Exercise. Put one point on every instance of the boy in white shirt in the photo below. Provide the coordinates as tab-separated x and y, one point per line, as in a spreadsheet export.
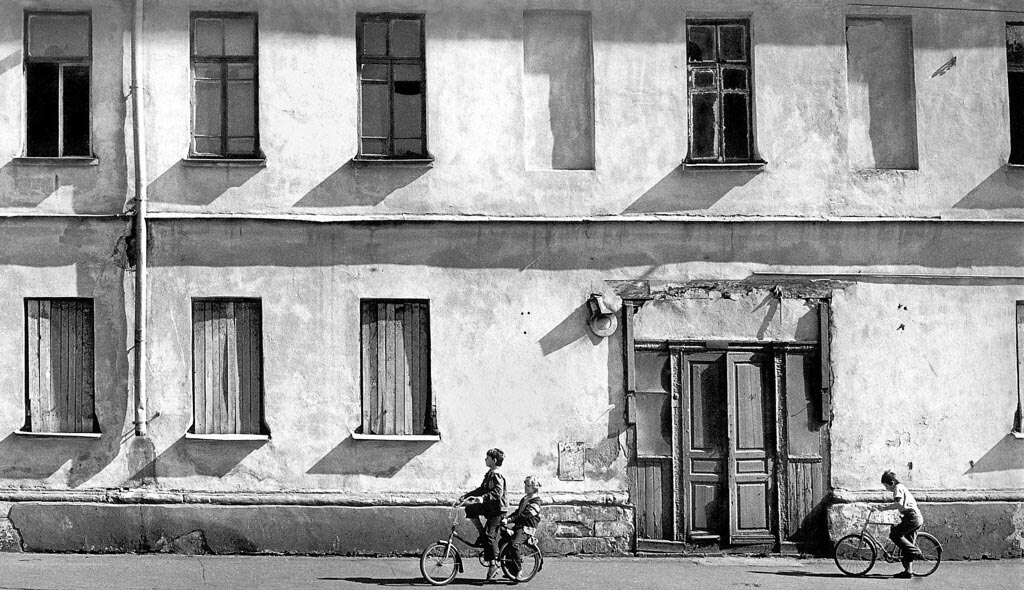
904	534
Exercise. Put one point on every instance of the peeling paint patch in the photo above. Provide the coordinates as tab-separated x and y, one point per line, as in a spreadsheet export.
1016	538
10	538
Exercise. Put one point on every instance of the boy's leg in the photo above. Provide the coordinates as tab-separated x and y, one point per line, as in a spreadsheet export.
492	530
514	554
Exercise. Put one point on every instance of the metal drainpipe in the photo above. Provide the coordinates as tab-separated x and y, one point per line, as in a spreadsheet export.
139	138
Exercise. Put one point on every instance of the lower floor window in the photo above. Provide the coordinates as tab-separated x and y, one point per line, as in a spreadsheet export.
59	376
227	366
395	347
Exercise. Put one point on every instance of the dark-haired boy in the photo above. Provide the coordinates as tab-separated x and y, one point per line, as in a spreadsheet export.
488	501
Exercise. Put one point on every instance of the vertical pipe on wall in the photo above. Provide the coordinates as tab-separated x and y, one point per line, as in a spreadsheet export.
138	136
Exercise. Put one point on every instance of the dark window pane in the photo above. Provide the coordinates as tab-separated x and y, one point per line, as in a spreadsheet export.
1015	45
206	71
241	108
653	371
209	37
653	425
43	108
374	147
703	79
1016	117
734	126
405	38
408	115
703	125
76	111
734	79
405	148
242	146
207	108
376	122
241	71
700	43
208	145
58	35
733	42
239	36
375	37
375	72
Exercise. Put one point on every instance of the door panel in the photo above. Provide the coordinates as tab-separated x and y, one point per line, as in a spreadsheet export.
750	455
703	445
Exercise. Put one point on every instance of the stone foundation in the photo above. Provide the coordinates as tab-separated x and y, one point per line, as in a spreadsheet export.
101	527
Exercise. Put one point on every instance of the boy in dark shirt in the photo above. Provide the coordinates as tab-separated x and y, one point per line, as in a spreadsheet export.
488	501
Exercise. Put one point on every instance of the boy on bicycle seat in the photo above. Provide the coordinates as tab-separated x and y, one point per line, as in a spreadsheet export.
904	534
488	501
524	520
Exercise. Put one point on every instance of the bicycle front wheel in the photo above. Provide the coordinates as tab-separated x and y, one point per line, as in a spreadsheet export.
855	555
439	564
532	561
931	555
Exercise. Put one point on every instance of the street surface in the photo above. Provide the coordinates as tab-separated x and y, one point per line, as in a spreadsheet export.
180	572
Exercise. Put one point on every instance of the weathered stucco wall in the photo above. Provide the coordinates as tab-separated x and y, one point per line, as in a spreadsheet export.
308	116
925	384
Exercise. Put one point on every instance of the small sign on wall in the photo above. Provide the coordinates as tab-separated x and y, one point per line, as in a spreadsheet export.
571	456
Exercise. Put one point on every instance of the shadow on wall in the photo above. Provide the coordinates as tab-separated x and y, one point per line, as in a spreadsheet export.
190	457
1003	189
377	458
26	457
30	185
569	330
10	62
183	184
355	184
686	190
1007	455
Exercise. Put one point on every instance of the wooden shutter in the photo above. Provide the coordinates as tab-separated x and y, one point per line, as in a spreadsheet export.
227	361
60	365
395	338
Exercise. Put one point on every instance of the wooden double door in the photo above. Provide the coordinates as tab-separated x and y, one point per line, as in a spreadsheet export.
706	446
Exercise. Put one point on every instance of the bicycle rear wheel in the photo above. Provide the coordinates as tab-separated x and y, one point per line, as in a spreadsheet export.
931	555
532	561
855	555
439	564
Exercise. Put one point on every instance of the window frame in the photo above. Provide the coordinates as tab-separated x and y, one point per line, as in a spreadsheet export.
61	62
224	61
33	429
263	429
1012	69
389	61
428	431
748	66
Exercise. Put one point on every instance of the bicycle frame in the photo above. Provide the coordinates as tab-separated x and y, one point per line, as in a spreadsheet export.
890	556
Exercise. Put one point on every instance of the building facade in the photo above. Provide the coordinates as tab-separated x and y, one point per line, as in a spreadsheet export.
706	269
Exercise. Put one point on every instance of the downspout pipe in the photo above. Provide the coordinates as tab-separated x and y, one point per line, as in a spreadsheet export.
141	247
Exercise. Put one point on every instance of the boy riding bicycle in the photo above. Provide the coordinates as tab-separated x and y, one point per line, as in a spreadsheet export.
488	501
905	532
524	521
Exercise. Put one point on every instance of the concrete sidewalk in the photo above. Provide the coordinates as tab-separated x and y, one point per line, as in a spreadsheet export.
179	572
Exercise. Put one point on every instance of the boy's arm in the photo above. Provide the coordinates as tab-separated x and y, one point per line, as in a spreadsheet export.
495	489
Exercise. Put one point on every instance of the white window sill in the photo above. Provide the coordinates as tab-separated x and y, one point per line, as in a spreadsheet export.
58	434
57	162
427	162
1015	167
226	437
224	162
755	166
398	437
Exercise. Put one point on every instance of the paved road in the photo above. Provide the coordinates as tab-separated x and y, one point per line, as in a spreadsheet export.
178	572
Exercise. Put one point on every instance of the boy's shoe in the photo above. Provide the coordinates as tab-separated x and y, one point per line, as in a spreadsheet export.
904	575
492	571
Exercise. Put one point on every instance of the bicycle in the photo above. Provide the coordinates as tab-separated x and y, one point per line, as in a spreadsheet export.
442	561
855	554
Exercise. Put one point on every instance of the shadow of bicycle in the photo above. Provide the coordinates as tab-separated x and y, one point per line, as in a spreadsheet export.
402	581
803	574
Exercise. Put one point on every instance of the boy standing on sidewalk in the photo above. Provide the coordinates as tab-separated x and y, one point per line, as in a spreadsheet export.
488	501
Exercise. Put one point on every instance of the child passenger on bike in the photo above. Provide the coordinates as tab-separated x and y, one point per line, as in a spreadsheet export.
904	534
488	501
524	521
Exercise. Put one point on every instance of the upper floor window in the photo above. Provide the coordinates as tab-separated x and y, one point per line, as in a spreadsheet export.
58	64
225	69
1015	70
719	81
392	80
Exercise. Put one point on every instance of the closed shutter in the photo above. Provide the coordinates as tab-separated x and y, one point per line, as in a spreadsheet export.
60	365
227	361
395	344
